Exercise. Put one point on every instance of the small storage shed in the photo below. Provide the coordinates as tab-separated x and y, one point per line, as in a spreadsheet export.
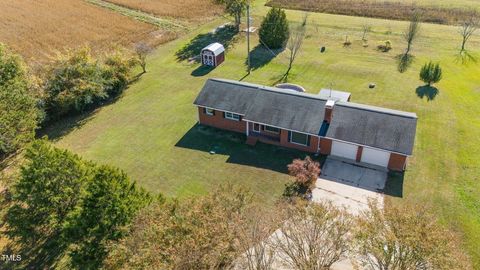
213	55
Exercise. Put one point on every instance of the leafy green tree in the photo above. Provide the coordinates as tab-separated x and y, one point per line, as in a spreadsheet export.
50	185
235	8
111	201
431	73
18	110
74	82
274	30
117	71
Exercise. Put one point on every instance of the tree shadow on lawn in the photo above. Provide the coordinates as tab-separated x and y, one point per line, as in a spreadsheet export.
427	91
58	128
264	156
260	56
465	58
224	35
45	253
404	61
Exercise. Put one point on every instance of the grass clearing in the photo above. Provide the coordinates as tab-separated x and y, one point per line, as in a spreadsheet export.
39	29
151	131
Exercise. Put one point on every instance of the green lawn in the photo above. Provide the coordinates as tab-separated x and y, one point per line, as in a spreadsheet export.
151	134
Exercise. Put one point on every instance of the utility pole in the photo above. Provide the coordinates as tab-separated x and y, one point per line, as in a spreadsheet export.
248	38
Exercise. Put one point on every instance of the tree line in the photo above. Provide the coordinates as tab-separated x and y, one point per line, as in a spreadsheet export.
72	83
65	212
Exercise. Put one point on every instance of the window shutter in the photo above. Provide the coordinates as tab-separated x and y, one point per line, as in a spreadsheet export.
223	114
289	136
308	140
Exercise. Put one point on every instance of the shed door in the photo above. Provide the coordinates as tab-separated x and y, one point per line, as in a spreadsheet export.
344	150
376	157
208	59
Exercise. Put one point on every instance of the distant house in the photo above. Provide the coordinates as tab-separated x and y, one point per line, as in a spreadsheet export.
213	55
311	123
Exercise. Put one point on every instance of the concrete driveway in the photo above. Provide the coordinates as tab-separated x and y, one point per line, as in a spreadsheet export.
350	184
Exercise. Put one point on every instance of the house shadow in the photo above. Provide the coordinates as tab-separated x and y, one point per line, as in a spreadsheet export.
427	91
202	71
231	144
225	35
261	56
394	184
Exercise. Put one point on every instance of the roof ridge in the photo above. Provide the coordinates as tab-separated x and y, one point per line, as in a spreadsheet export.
270	89
372	108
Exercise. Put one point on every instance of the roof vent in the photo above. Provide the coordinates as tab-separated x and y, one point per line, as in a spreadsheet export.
291	86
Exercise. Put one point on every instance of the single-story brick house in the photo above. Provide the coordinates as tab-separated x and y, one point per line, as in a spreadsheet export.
308	122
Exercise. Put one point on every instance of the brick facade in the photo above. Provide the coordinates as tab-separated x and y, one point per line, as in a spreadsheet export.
397	162
325	146
316	144
217	120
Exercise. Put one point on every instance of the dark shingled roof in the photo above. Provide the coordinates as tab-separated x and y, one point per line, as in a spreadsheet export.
361	124
226	95
373	126
287	109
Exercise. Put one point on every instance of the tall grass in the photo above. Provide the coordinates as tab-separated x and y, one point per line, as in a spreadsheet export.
379	9
190	10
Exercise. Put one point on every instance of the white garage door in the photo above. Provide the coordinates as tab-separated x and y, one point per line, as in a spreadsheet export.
344	150
376	157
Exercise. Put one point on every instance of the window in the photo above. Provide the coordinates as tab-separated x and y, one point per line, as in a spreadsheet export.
209	111
272	129
299	138
256	127
232	116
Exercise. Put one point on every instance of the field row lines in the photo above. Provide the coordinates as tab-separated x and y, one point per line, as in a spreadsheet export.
140	16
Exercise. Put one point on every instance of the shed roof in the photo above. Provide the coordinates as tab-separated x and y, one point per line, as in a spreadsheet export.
216	48
334	94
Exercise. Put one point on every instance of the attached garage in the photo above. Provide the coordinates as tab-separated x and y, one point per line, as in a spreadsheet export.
376	157
345	150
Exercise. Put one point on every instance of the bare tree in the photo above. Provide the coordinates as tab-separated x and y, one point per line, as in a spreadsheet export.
295	42
142	50
254	238
468	27
406	237
412	31
314	237
366	28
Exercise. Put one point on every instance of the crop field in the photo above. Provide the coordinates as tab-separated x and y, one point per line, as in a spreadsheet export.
441	12
39	29
190	10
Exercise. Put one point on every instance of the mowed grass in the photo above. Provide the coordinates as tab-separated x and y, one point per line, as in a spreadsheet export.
151	132
39	29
